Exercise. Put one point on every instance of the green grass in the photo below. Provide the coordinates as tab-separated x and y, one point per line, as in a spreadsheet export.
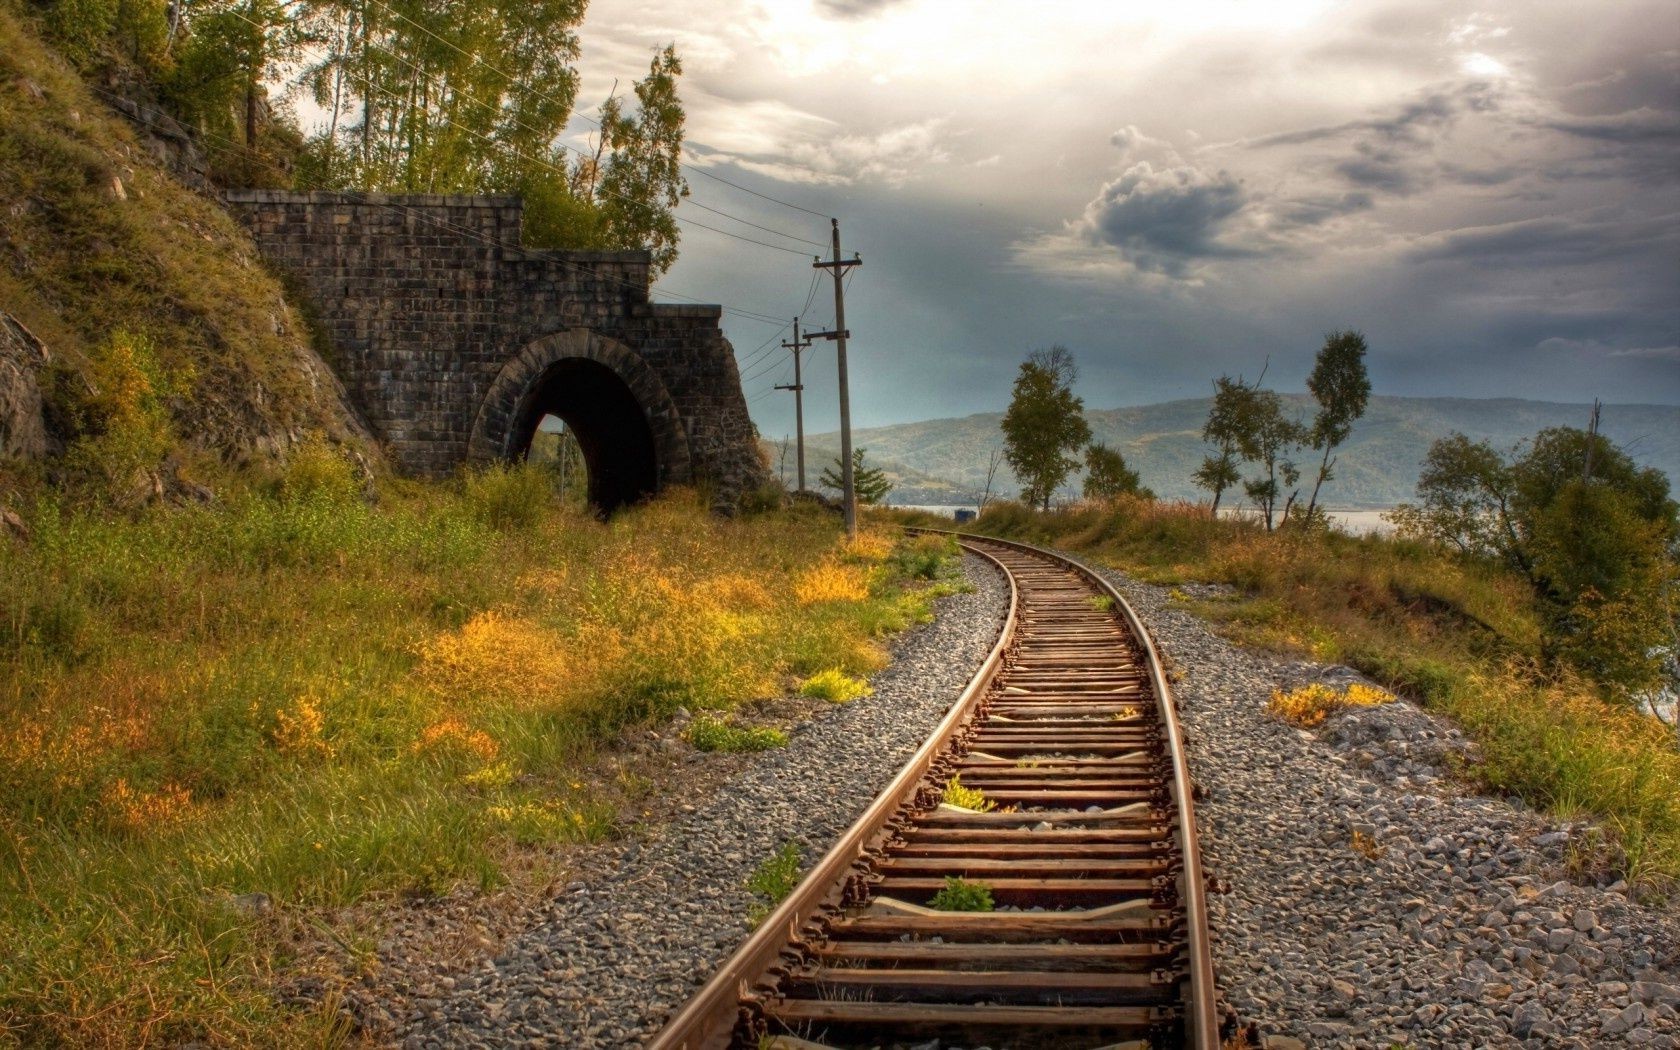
336	703
962	895
709	733
774	879
835	686
163	265
1460	636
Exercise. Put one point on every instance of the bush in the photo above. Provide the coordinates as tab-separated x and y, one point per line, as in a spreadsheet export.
509	497
774	879
965	797
835	686
1310	705
709	733
963	895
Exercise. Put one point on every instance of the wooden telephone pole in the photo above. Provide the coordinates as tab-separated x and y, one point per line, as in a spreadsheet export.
837	268
798	389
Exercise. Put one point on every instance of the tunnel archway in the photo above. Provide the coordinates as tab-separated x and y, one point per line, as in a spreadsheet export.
608	423
610	399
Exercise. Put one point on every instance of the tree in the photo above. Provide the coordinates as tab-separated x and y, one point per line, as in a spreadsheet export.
1593	534
994	459
1265	436
1342	389
870	483
1218	472
1107	476
1044	424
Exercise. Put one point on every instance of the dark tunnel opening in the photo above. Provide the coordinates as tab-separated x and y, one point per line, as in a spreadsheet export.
609	424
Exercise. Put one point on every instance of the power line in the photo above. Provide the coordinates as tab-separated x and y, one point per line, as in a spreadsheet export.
571	109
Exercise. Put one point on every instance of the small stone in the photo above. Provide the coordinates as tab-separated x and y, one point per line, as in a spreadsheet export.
1528	1015
1585	920
1552	838
1652	992
1558	940
252	904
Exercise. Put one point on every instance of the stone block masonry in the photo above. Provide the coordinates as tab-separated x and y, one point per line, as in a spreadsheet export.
453	340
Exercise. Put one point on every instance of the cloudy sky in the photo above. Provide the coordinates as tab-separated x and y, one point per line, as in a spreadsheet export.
1490	192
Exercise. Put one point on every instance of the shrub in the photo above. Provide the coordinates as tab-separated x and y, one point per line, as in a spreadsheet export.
966	798
835	686
1310	705
509	497
963	895
774	879
709	733
831	581
317	471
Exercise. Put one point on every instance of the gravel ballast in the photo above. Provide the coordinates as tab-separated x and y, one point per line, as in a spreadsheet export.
1449	921
614	954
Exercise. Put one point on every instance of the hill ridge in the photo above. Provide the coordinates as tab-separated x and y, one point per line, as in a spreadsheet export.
944	460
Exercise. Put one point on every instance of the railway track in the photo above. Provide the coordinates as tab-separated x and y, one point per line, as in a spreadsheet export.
1086	840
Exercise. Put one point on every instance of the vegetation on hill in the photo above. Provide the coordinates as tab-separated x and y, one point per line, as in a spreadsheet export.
944	460
172	350
417	96
297	694
1463	635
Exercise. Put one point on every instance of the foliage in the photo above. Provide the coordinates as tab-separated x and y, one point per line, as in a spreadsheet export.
927	557
710	733
509	496
170	738
1594	535
965	797
1309	705
1218	471
1107	476
1045	423
774	879
1266	436
835	686
960	894
1342	388
162	285
869	483
1461	635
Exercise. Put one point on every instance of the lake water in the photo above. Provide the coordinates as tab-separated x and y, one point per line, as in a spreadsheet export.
1353	522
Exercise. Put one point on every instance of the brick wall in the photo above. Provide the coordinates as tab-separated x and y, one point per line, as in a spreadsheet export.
428	298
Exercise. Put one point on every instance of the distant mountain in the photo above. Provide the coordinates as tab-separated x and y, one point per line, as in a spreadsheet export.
944	460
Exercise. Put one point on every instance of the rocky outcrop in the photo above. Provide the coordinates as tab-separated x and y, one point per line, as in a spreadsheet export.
23	428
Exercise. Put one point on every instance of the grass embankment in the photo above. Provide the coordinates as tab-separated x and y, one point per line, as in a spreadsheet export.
102	249
1459	636
297	694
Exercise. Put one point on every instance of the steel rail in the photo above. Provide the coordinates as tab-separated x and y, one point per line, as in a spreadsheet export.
1114	861
708	1020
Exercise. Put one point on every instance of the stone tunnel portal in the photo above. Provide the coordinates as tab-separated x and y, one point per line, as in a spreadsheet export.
610	426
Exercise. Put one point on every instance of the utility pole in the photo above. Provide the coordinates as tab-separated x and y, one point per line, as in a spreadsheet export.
798	389
1592	439
837	268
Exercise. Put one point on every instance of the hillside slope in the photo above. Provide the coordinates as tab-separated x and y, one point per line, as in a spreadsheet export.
101	248
1378	467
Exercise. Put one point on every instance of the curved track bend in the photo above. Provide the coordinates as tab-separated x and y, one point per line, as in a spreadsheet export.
1100	930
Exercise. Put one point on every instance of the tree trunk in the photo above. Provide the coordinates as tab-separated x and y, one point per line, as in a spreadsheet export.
1323	469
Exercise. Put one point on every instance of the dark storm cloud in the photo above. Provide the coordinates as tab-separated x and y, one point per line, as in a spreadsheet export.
1378	169
1315	210
1638	127
1165	221
1546	242
852	9
1417	121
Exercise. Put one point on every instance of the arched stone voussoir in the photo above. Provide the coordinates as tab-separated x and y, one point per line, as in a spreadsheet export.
493	436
